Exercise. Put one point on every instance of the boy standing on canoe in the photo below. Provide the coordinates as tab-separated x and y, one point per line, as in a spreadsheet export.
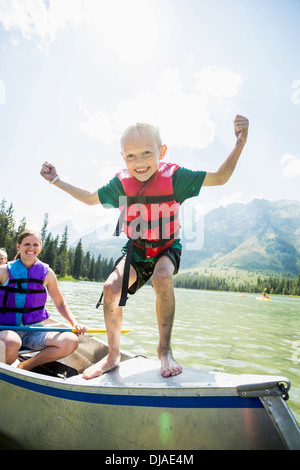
148	193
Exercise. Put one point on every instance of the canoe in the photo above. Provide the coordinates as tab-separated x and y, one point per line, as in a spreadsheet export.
134	408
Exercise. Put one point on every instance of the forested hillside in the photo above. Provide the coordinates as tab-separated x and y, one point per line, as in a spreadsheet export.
262	238
63	259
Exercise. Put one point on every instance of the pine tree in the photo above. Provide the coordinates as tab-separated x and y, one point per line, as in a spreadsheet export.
91	275
78	260
7	229
44	228
62	264
50	251
21	226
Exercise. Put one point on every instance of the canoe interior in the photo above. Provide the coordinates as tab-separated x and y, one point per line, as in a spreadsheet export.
89	351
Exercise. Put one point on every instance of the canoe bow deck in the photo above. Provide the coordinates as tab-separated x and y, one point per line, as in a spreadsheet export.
134	408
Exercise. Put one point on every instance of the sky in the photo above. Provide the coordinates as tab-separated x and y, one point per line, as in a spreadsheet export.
75	73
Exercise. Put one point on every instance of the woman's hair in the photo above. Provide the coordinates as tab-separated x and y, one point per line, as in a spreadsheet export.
27	233
143	126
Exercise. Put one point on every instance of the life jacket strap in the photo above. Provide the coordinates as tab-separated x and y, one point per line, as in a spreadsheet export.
20	290
25	280
145	200
124	297
4	309
125	283
144	244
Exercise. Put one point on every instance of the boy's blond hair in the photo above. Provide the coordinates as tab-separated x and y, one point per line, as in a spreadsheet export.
138	126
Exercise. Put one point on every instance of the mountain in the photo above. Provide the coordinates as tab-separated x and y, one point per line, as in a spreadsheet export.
259	236
58	229
262	236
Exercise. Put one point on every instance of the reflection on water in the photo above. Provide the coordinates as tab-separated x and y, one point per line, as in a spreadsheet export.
217	331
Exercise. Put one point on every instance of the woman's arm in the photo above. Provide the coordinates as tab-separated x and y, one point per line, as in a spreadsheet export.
59	302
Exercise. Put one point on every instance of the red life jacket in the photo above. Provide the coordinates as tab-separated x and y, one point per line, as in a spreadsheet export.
150	213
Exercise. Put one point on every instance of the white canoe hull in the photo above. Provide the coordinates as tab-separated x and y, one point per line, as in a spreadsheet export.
135	408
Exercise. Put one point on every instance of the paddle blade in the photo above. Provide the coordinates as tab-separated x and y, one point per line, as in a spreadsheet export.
98	330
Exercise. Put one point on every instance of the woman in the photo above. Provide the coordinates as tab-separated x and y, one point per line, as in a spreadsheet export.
22	301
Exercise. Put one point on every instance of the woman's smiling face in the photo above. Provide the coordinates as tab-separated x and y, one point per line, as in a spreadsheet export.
29	248
142	154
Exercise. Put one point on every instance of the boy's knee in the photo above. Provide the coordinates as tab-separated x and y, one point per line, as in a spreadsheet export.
111	291
162	280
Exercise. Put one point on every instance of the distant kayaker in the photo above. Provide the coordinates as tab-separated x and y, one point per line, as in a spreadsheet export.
153	191
264	294
23	284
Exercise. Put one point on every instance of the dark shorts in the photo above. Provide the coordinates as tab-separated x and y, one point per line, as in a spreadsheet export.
145	270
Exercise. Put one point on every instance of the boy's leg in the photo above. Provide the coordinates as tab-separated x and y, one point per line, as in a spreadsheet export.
113	320
165	310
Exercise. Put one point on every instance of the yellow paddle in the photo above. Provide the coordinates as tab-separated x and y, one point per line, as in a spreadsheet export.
51	328
97	330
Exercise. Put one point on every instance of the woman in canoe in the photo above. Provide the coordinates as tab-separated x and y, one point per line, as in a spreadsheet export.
23	295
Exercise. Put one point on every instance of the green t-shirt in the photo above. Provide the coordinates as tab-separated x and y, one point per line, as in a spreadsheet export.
186	184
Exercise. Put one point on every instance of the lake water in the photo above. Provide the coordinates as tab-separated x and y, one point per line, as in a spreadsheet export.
218	331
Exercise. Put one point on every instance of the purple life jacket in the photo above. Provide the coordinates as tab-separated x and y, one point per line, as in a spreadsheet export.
24	295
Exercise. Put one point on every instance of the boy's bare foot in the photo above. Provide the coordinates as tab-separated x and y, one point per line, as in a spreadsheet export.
169	367
106	364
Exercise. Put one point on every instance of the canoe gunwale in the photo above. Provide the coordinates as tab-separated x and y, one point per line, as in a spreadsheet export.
144	383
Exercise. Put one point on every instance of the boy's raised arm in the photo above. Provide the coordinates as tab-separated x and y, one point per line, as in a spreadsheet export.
222	175
49	172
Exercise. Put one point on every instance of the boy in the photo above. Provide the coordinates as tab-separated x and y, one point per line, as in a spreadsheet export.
149	184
